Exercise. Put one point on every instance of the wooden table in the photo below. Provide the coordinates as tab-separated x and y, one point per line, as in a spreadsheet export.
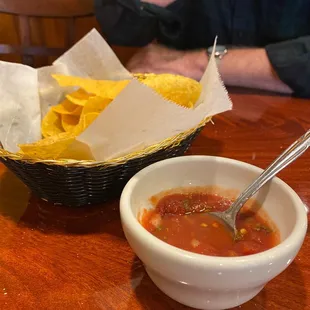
61	258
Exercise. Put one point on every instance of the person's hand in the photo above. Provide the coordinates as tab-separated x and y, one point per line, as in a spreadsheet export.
160	59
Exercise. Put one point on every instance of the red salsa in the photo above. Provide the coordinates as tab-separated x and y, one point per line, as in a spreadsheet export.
182	220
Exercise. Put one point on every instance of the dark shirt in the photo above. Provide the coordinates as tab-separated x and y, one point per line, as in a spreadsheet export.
282	27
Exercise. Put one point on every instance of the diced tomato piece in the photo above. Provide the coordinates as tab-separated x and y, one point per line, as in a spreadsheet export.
247	247
207	249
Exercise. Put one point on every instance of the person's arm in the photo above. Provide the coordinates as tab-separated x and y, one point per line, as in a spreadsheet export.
291	61
251	68
156	58
282	67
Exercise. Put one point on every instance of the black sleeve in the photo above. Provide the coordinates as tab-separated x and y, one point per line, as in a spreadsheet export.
134	23
291	61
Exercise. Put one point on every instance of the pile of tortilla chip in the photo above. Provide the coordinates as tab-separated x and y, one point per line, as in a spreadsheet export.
68	119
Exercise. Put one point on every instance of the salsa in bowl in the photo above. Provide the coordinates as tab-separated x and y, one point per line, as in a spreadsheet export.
207	281
181	217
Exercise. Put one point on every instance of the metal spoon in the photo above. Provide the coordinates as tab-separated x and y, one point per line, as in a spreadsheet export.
288	156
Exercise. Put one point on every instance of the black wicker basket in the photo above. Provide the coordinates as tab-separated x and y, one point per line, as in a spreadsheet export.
76	184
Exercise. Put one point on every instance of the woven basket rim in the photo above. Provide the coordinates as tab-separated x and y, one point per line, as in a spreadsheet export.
167	143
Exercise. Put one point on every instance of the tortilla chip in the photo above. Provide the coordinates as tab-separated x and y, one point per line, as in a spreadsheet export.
79	97
95	105
69	122
179	89
85	121
77	150
51	124
67	107
64	122
103	88
49	148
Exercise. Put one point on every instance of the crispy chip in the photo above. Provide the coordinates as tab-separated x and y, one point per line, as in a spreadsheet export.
95	105
105	89
49	148
69	122
85	121
51	124
67	107
79	97
78	151
179	89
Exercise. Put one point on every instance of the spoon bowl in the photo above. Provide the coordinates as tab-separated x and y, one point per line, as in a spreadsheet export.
288	156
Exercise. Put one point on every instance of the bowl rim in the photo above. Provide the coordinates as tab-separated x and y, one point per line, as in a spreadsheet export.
282	249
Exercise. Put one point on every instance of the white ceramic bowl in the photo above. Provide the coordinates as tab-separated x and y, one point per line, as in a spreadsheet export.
207	282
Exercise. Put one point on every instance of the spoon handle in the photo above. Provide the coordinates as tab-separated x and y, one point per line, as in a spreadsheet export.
288	156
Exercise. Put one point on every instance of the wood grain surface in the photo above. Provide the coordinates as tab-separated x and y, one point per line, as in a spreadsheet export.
61	258
56	8
49	32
